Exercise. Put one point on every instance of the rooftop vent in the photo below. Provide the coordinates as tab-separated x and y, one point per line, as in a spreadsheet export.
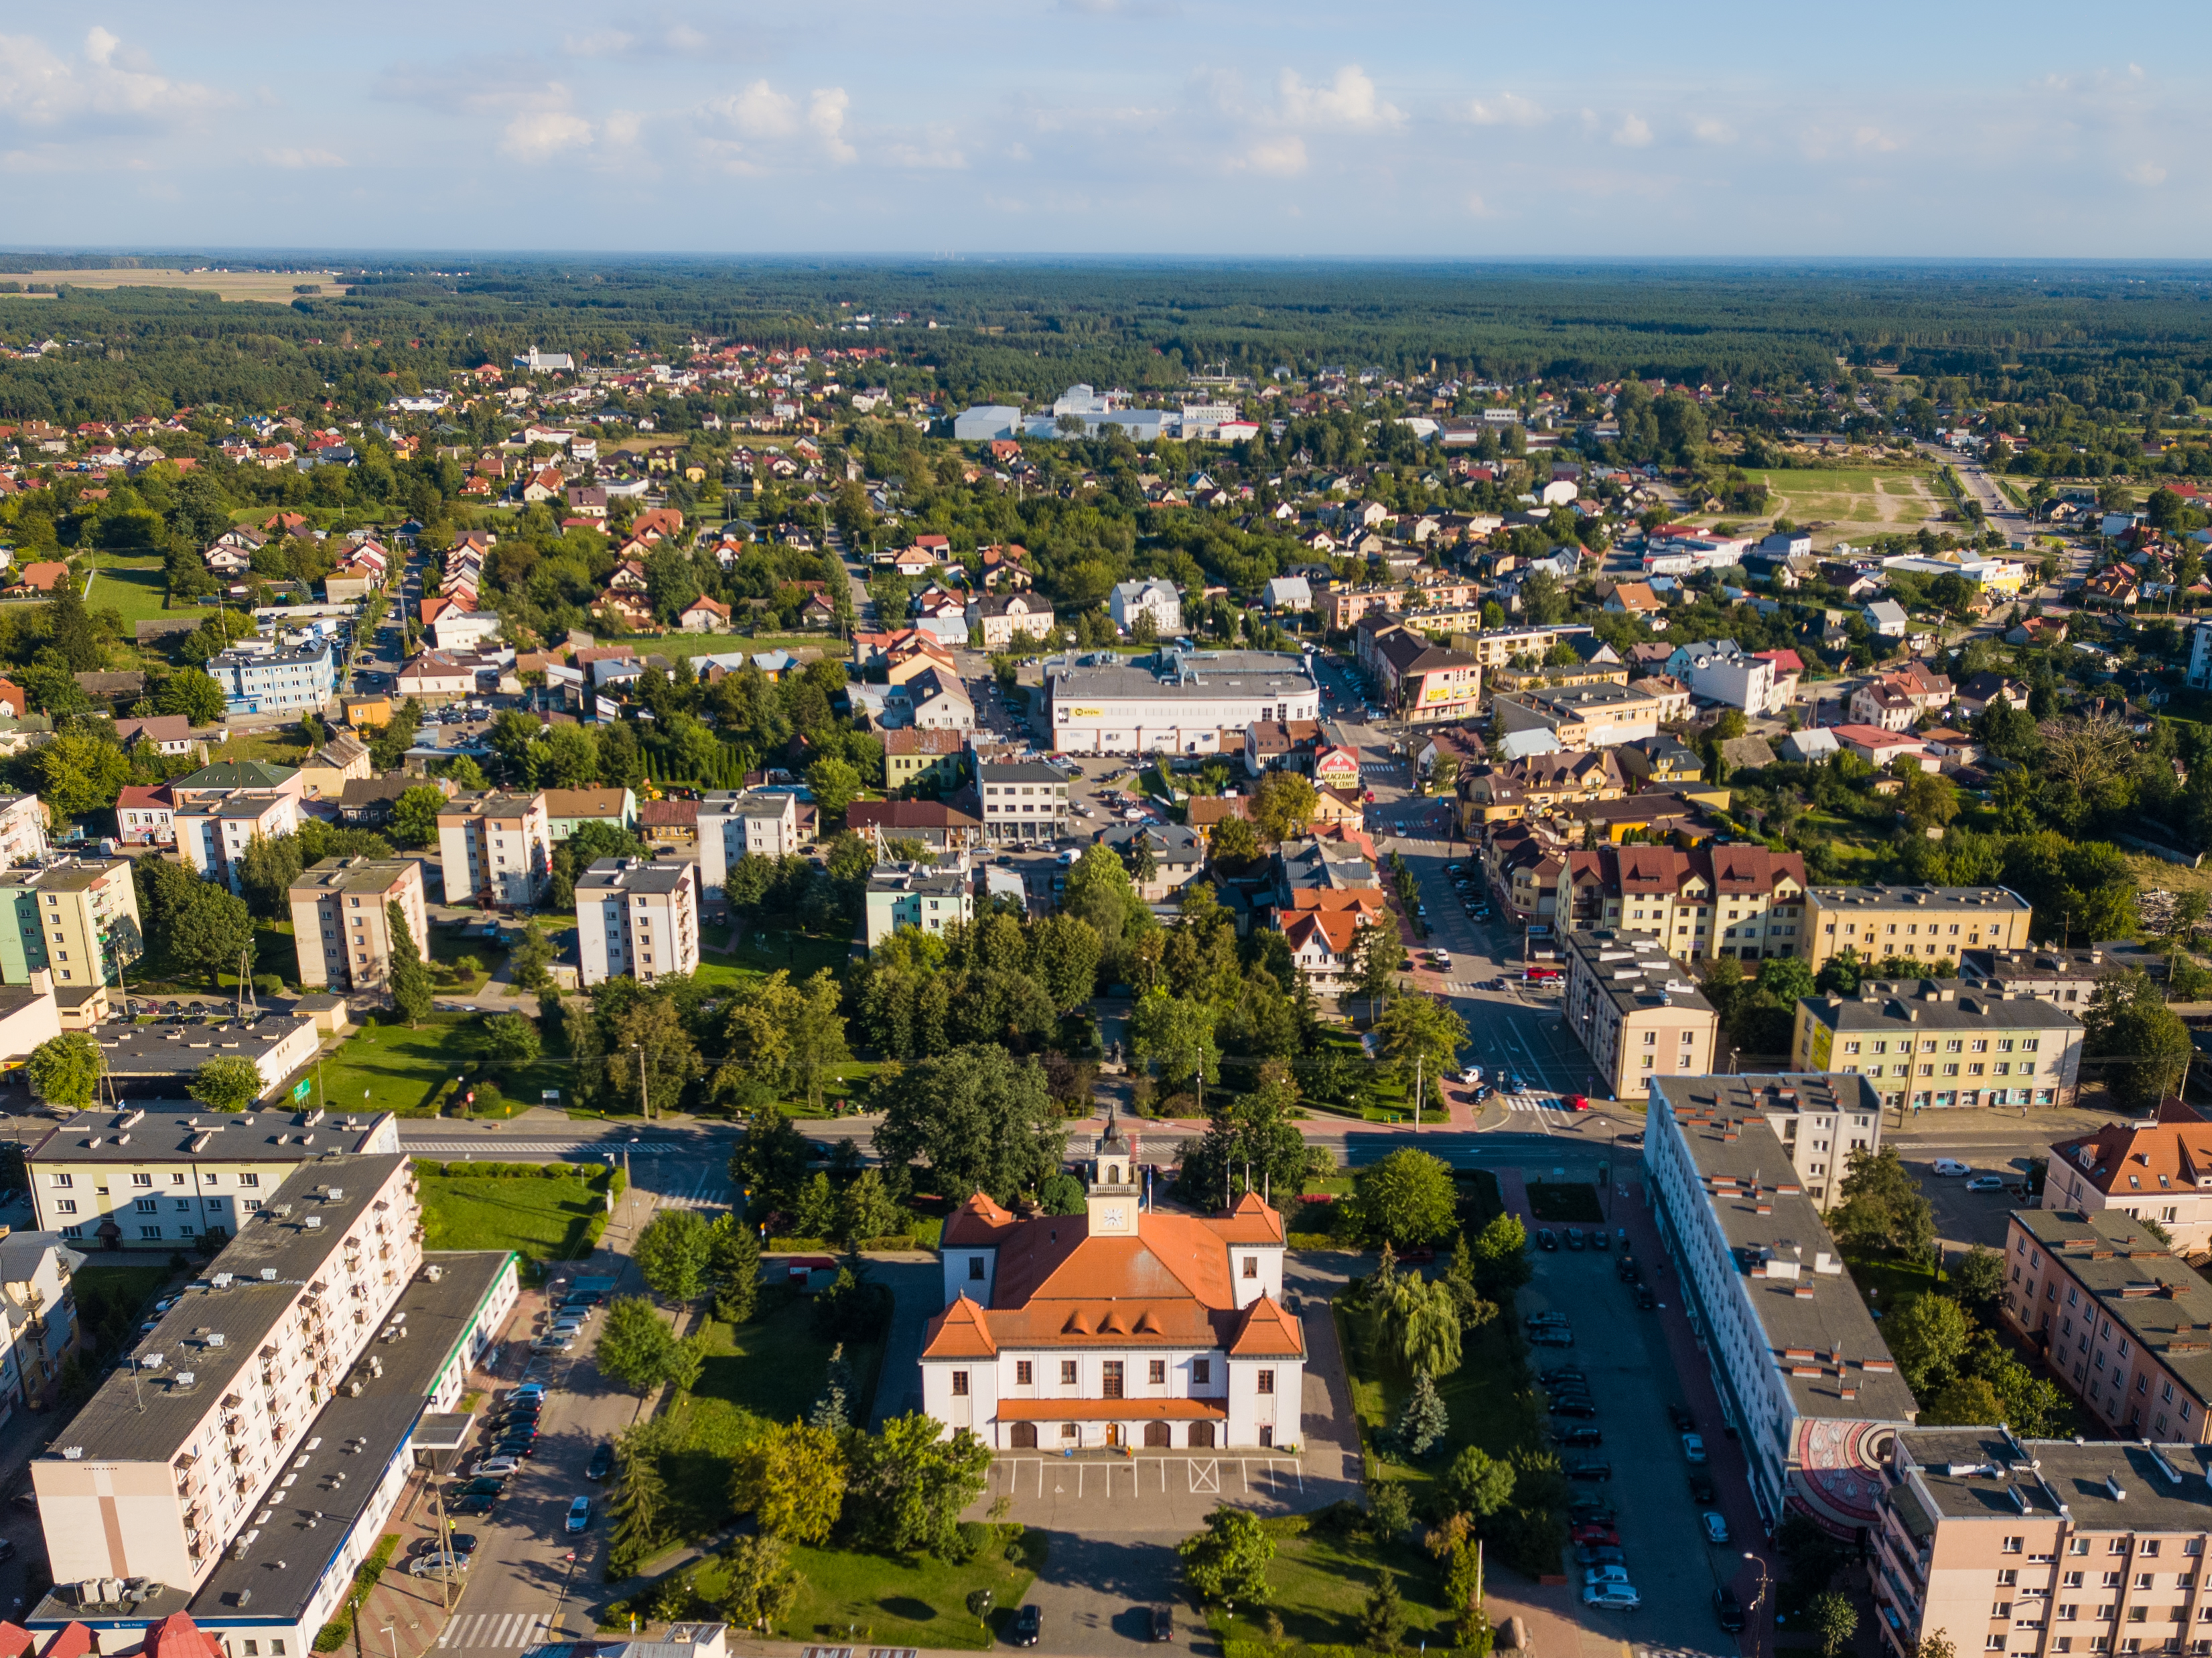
73	1453
2114	1489
269	1275
312	1222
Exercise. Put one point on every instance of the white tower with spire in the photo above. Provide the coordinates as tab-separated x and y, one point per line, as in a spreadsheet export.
1114	1195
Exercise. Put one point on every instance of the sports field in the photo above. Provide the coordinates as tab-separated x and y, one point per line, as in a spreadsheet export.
1844	502
135	586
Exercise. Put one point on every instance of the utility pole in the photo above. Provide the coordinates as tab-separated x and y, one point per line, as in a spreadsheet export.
644	1105
1418	1062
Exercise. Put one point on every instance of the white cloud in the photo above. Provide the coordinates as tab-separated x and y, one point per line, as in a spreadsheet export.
540	135
1508	109
1874	138
2149	174
759	110
1280	158
941	153
106	87
825	115
1349	101
302	158
1634	132
1712	131
682	38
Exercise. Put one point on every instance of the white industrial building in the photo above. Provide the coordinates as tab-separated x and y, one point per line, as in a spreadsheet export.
1187	702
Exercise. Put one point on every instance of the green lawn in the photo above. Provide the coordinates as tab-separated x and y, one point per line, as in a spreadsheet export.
766	949
540	1218
1888	1284
449	944
135	586
1857	497
284	746
885	1602
1318	1582
389	1067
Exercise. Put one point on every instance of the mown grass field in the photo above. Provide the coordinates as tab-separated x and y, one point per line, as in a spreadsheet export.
135	586
543	1219
390	1067
1863	499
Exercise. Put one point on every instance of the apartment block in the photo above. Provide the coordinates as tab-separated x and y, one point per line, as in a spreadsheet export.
1739	900
1934	923
637	919
924	897
2160	1171
1637	1011
496	849
1804	1379
1582	716
341	924
76	921
1022	800
213	833
2041	1547
267	675
734	826
37	1316
90	1176
23	820
1931	1045
2125	1323
244	1464
2068	977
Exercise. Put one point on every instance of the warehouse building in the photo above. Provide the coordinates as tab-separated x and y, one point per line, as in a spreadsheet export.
1183	702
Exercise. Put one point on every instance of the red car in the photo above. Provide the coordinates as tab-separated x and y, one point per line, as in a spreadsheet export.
1575	1102
1603	1536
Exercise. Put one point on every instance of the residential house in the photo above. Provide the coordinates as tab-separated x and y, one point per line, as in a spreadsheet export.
996	621
567	810
1150	598
214	833
146	817
1176	856
496	849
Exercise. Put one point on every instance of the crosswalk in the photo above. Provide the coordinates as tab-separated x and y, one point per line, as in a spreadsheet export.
496	1631
706	1189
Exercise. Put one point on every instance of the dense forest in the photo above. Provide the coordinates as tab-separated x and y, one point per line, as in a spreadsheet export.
2117	339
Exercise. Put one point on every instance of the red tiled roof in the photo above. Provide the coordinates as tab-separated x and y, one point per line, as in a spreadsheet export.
1267	1330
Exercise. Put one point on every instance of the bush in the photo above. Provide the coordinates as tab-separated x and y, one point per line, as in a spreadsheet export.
268	984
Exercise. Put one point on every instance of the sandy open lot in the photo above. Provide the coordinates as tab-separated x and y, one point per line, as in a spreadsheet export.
270	286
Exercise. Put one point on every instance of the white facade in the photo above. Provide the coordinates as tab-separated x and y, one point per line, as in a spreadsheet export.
214	835
734	826
1154	598
1104	1345
637	919
38	1315
22	829
1720	671
495	849
461	630
1126	710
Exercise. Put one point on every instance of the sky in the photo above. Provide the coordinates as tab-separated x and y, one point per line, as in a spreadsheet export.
1126	127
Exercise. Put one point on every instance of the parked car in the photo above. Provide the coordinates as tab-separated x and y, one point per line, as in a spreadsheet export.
1551	1336
580	1515
1598	1238
1701	1490
1563	1373
498	1465
1576	1241
473	1505
552	1344
1589	1470
603	1463
440	1565
1577	1102
1585	1438
1645	1298
528	1391
1679	1416
1575	1405
1028	1624
1600	1555
1626	1270
1694	1447
1728	1609
1545	1238
1596	1535
1613	1597
1162	1623
1716	1526
1612	1572
1986	1183
1591	1512
1951	1166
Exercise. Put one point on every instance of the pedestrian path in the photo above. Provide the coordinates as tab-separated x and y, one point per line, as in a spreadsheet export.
1538	1102
491	1148
494	1631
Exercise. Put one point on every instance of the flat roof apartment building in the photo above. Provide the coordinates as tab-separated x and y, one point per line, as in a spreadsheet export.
1931	1045
2125	1323
214	832
637	919
88	1175
2042	1547
928	897
1582	716
1637	1011
1022	800
1188	702
244	1464
734	825
1933	923
496	849
77	919
1802	1373
341	922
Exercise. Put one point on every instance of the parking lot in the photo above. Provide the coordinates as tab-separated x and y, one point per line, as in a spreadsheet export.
1622	1352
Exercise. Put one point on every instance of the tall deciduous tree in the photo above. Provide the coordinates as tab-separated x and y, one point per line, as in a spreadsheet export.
672	1253
2148	1045
64	1070
792	1480
227	1082
637	1347
907	1485
1407	1198
981	1119
1883	1207
1380	954
414	816
1177	1033
1228	1561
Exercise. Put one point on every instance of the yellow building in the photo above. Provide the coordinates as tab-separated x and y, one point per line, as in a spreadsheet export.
1934	924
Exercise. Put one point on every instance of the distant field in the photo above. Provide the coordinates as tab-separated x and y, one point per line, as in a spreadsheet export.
270	286
1852	500
136	587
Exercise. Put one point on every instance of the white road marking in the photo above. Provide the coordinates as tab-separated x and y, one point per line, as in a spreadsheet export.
495	1630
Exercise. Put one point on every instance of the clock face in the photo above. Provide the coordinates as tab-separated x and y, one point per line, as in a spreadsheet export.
1114	1215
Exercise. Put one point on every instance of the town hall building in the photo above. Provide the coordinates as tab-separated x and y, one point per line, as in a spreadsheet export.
1125	1326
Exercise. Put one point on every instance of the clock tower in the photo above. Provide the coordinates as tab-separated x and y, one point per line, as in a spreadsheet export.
1115	1193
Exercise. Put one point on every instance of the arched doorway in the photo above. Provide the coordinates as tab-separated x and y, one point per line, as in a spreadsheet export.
1024	1437
1157	1436
1202	1435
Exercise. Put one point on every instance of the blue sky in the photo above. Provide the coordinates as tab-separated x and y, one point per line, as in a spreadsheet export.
1958	128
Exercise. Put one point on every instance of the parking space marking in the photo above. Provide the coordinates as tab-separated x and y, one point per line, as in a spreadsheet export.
1094	1480
1210	1480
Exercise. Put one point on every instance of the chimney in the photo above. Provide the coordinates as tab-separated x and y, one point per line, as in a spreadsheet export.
41	981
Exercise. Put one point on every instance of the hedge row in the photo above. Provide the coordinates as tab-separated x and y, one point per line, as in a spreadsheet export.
333	1635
